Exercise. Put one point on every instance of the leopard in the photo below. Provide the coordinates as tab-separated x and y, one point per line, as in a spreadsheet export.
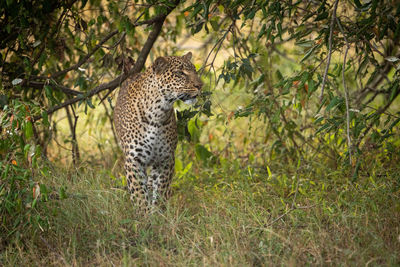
146	126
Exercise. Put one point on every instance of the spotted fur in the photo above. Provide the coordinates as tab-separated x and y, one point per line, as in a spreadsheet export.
146	126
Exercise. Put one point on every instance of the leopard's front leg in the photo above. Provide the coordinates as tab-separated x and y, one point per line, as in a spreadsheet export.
161	176
137	181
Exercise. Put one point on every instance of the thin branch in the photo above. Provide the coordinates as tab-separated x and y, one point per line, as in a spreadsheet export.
217	44
40	85
330	49
346	93
111	119
85	58
273	47
74	142
76	153
378	112
386	113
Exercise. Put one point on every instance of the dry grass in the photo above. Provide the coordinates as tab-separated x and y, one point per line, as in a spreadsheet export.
220	216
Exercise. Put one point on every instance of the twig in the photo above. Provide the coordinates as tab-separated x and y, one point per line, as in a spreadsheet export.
74	142
282	54
217	44
346	93
60	145
330	49
110	118
74	139
85	58
39	85
379	111
220	42
387	113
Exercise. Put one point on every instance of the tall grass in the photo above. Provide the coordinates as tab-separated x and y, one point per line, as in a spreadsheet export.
231	214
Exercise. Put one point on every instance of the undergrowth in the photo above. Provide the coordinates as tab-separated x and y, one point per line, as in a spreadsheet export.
232	214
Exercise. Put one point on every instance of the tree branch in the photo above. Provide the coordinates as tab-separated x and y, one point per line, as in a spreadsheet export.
64	89
330	49
346	93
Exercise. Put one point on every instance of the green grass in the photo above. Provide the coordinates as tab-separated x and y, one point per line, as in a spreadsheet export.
225	215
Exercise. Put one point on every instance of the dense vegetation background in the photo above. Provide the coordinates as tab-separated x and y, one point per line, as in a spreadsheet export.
291	156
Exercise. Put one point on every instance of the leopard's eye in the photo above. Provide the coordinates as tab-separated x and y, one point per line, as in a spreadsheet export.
180	73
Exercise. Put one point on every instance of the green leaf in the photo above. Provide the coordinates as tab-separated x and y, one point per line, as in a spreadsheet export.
44	192
362	66
334	102
83	3
100	20
325	126
358	4
81	82
45	118
309	53
214	24
42	59
28	130
279	26
305	43
193	130
62	192
312	86
394	92
202	153
319	120
279	75
262	31
394	123
178	165
206	108
321	16
269	172
26	150
49	93
246	67
197	28
196	10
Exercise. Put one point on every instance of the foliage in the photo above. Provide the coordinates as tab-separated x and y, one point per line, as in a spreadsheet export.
334	98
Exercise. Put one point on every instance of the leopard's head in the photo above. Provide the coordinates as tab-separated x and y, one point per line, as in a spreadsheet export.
177	78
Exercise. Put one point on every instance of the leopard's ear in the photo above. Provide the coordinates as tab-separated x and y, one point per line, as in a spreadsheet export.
188	56
160	65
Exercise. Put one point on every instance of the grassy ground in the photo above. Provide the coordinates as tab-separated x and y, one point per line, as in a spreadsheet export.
231	214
